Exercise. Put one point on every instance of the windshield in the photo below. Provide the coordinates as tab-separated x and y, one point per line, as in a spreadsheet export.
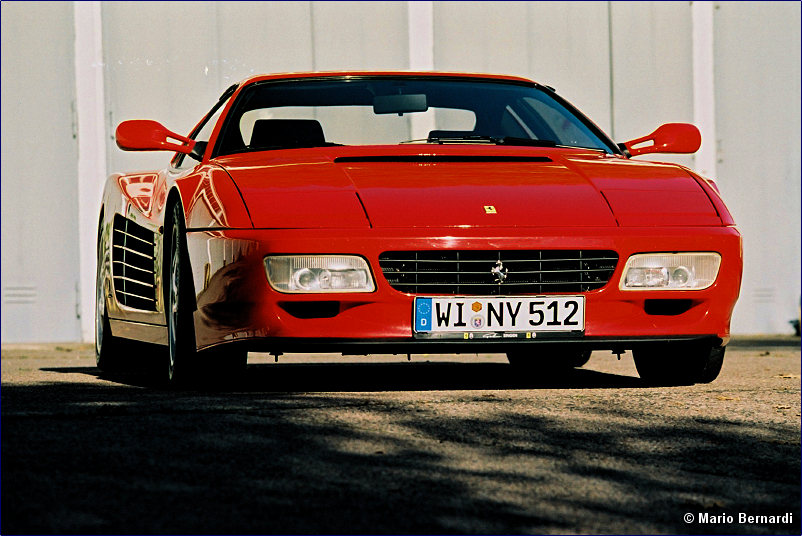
384	110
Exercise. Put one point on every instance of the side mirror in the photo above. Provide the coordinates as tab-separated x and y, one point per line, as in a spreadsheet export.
669	138
145	135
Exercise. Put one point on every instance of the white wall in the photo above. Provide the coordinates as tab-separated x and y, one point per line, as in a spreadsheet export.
757	57
652	69
171	60
160	62
39	173
559	44
628	65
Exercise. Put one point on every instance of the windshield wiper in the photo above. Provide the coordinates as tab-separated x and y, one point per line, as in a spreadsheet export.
498	140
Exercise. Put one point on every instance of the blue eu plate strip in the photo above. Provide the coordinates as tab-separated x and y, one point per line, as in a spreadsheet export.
423	314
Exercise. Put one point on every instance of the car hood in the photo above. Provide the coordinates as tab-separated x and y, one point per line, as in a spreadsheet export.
448	186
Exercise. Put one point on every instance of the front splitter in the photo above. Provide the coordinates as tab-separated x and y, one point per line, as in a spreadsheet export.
461	346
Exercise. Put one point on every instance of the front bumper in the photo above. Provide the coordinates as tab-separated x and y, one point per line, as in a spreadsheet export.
235	304
452	346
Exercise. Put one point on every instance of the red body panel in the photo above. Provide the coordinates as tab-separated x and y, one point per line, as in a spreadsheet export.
572	188
238	303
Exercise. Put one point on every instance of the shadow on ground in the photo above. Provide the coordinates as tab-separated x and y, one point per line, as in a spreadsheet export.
340	377
351	454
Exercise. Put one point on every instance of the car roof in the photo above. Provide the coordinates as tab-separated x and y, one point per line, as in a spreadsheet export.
410	74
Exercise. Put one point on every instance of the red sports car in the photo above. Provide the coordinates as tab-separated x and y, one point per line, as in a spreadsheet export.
400	212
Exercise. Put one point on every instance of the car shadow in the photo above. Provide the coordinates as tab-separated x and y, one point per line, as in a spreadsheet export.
87	457
372	377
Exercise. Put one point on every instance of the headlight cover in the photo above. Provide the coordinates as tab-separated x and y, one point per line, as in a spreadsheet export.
670	271
314	274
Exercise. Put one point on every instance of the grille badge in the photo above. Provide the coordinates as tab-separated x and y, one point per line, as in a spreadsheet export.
499	271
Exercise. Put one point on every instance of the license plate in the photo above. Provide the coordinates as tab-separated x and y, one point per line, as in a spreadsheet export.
531	314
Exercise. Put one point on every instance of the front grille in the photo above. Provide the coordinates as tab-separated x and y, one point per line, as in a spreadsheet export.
132	261
470	272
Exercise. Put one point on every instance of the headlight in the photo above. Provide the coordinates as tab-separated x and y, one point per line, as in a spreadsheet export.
318	273
670	271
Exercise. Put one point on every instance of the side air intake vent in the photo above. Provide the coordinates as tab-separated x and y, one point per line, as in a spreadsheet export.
132	261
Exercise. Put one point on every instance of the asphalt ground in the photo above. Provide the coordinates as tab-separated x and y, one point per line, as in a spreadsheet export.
381	445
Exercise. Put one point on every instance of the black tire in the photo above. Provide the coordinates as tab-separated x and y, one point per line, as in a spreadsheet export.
183	363
549	361
679	364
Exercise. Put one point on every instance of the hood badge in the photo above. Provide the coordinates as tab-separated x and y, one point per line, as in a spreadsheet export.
490	209
499	271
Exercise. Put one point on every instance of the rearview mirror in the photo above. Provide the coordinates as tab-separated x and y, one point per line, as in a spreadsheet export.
669	138
399	104
146	135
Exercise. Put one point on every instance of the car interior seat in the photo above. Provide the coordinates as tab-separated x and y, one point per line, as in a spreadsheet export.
286	133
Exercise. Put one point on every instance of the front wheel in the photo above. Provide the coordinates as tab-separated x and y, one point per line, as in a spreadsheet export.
185	365
182	362
679	365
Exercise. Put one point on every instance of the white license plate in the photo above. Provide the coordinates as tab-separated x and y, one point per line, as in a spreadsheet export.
494	314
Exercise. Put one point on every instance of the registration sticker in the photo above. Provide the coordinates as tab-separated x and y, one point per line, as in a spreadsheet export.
460	315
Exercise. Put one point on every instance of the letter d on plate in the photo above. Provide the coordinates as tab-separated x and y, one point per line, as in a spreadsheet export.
423	314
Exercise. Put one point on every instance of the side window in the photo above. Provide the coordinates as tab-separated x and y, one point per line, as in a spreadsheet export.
206	130
201	137
203	132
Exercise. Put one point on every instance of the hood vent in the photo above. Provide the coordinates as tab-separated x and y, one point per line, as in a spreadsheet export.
429	158
132	261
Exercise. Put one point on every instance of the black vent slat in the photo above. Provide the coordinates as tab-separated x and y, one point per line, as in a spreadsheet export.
131	283
132	245
133	262
121	267
135	252
133	229
527	271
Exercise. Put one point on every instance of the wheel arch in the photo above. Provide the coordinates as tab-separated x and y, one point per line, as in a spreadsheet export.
174	198
103	246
